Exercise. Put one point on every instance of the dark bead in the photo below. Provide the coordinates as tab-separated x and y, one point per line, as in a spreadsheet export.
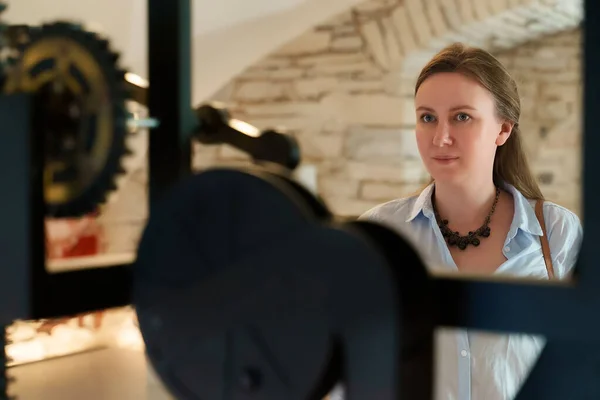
462	245
457	234
475	242
470	233
452	241
445	222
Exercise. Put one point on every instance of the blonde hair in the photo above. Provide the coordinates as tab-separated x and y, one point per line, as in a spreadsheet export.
510	162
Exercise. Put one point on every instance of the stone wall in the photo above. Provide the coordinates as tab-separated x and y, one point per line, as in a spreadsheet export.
354	116
345	90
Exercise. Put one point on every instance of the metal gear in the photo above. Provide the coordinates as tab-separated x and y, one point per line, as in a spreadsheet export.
80	110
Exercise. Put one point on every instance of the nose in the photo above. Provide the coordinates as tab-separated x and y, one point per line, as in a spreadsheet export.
442	135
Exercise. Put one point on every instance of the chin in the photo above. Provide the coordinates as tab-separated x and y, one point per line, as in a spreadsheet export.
446	175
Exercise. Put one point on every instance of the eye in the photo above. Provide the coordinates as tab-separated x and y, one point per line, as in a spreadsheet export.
427	118
462	117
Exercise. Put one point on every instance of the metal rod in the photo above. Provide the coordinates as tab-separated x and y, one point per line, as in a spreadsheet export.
586	269
169	94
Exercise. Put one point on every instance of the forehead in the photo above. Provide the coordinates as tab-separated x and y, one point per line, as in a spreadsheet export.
447	90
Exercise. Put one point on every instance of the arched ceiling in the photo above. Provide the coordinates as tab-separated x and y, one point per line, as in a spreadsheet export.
228	34
231	35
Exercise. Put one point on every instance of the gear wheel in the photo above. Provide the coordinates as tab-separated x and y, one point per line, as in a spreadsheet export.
80	110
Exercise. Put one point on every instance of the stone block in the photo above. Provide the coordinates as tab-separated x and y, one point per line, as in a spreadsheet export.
287	73
316	147
407	172
130	202
373	6
568	92
434	14
361	86
410	150
553	109
337	187
342	70
467	13
122	237
383	145
349	207
331	59
289	123
224	94
408	113
255	73
274	61
419	21
309	42
344	30
373	35
383	192
364	109
260	91
374	171
392	44
405	34
347	43
558	77
541	63
343	18
283	109
314	88
498	6
374	145
204	156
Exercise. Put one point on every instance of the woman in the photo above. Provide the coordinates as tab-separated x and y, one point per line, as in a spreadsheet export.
478	215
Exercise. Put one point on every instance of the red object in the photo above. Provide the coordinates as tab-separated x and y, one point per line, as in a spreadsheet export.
87	245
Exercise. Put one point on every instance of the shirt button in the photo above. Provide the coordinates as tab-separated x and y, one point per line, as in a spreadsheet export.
464	353
507	249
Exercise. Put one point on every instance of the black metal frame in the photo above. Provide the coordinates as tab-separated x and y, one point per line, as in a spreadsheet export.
562	312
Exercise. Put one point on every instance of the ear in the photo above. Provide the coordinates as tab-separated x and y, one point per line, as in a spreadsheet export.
505	131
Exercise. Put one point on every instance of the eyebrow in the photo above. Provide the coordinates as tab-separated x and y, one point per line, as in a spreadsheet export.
463	107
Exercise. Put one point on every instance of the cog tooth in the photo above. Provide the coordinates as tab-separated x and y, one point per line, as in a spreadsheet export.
111	187
103	44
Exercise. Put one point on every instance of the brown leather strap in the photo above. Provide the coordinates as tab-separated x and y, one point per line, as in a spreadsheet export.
539	212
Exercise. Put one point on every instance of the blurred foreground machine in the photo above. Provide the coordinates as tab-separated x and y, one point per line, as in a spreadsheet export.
244	284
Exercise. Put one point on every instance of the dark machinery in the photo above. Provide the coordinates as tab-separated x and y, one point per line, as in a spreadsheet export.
244	284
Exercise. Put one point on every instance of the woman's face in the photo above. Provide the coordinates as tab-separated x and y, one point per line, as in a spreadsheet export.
458	129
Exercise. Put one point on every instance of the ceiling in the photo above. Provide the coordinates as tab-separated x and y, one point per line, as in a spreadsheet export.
228	35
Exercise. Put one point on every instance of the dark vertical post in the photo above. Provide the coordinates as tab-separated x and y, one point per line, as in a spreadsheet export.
21	211
587	267
169	94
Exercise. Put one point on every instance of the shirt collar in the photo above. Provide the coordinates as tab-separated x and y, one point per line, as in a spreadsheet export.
524	218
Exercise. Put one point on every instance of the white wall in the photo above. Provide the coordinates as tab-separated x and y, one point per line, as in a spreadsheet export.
229	35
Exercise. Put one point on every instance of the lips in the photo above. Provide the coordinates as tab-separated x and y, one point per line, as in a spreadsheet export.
445	158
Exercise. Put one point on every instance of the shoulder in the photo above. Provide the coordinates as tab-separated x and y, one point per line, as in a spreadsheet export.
394	210
560	220
565	235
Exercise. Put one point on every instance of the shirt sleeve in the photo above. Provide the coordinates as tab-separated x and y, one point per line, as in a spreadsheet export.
565	234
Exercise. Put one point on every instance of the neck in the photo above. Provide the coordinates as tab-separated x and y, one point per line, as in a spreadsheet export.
464	206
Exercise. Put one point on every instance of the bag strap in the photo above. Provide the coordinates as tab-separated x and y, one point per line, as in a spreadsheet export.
539	213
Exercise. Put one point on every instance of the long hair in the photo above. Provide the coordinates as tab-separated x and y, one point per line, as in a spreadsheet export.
510	162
